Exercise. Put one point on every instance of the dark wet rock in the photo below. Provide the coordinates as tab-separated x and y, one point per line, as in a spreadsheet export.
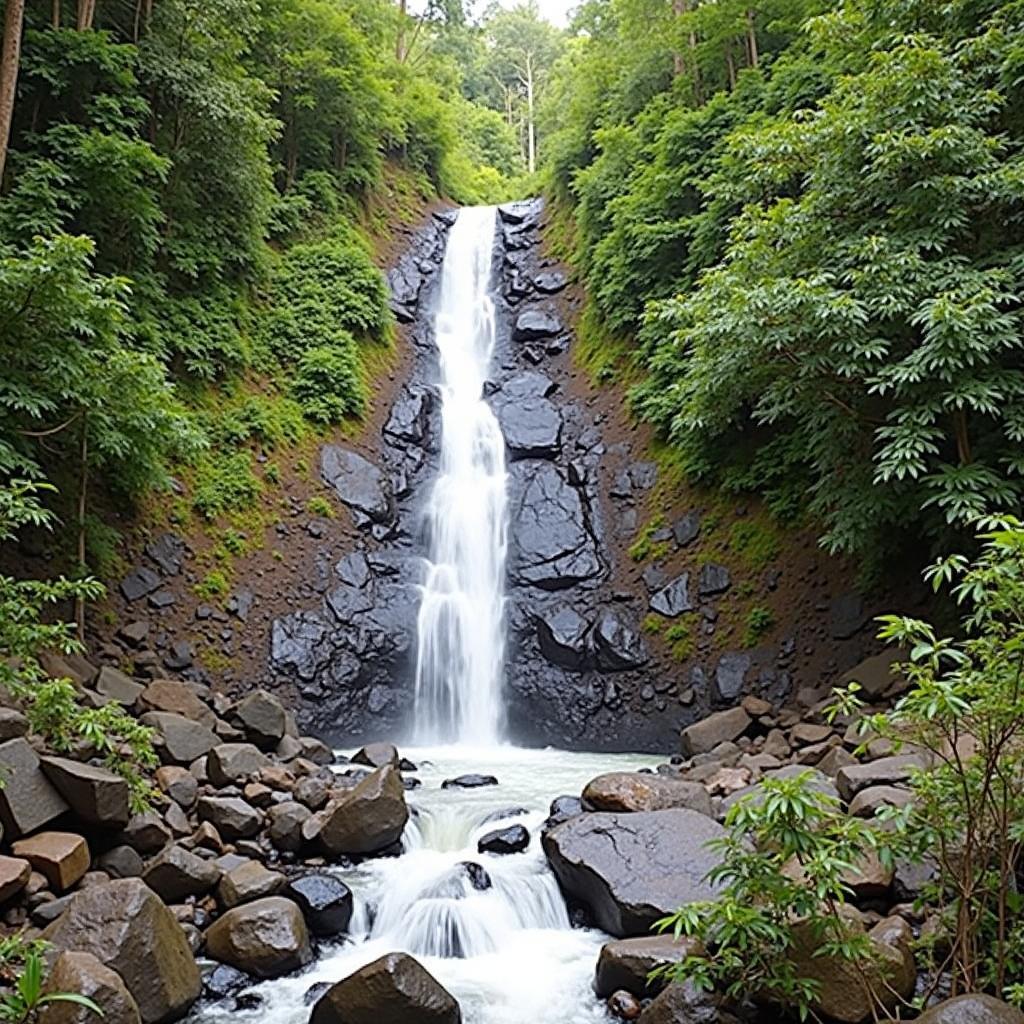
168	552
562	635
550	282
354	569
532	427
180	656
369	818
358	483
470	781
396	989
624	1005
126	927
551	544
640	791
731	673
286	821
266	938
530	384
477	875
409	422
513	839
298	644
673	599
139	583
535	324
847	616
28	800
520	212
627	963
263	718
631	870
562	809
687	529
121	862
177	874
714	579
325	901
683	1003
617	645
146	833
224	981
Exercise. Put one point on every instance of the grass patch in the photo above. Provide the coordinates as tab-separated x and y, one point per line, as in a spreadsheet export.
759	622
645	547
320	506
680	640
213	585
603	356
652	624
755	542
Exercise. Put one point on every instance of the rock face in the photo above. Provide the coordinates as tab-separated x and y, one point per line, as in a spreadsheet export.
632	869
126	927
358	483
267	938
369	818
396	989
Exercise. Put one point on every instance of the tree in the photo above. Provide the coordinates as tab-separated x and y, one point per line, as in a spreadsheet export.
10	58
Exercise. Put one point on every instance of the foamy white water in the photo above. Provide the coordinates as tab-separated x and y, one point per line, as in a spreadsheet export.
507	954
461	640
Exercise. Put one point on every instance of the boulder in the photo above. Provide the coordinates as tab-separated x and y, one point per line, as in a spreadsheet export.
228	764
146	833
684	1003
367	819
325	902
532	427
267	938
627	963
714	579
12	724
176	874
167	551
28	800
513	839
886	771
562	636
230	815
687	529
176	697
178	783
618	646
975	1008
396	989
633	869
263	718
472	780
121	862
85	975
377	755
95	795
535	324
721	727
61	857
868	801
113	684
139	583
179	739
673	599
247	882
358	483
14	876
286	821
731	673
641	791
126	927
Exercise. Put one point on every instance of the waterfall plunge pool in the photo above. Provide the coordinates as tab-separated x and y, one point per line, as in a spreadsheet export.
521	960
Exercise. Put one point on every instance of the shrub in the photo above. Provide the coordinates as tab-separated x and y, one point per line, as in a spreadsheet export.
759	621
328	384
224	481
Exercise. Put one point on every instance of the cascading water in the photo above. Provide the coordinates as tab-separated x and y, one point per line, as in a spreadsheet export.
461	630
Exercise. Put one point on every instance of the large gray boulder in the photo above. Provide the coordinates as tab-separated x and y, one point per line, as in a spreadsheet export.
230	815
28	800
228	764
975	1008
267	938
178	874
562	636
358	484
96	796
179	739
369	818
396	989
263	718
721	727
125	926
630	870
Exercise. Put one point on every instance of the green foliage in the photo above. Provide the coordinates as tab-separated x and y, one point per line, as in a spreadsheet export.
786	852
318	505
755	542
224	482
652	623
327	383
759	621
213	585
645	547
679	636
964	712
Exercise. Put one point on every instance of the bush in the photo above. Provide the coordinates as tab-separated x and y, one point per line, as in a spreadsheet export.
224	481
328	385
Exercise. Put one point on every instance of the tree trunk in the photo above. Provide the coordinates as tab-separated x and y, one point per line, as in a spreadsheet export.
752	55
86	14
400	39
55	17
730	65
531	125
10	58
83	489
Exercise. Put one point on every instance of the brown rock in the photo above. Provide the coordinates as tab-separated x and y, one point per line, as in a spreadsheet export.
887	771
369	818
975	1008
178	698
867	802
84	974
807	733
247	882
126	927
178	783
177	874
627	963
228	764
14	875
62	857
640	791
267	938
96	796
721	727
28	800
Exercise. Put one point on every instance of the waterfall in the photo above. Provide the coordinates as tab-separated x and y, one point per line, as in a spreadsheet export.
461	645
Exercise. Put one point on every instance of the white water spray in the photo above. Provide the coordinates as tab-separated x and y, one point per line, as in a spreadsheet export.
461	629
